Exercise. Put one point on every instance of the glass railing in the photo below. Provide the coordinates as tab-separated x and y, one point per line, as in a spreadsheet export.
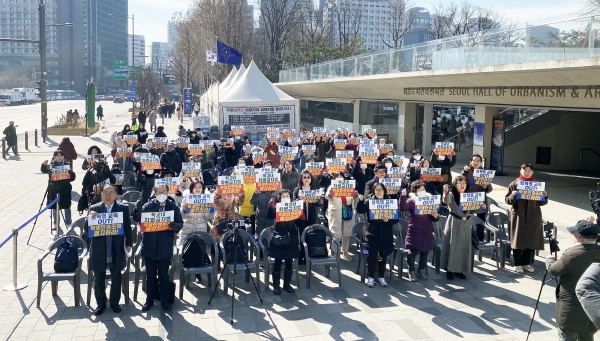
569	38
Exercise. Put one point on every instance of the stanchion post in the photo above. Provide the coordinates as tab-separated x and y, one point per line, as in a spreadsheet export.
26	141
14	286
58	216
36	142
3	148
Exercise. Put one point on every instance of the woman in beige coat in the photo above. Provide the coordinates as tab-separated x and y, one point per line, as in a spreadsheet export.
342	229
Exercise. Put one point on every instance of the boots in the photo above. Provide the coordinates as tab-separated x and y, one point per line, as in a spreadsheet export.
287	278
276	277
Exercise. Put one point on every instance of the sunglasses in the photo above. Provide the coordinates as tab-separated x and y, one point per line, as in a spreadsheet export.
306	177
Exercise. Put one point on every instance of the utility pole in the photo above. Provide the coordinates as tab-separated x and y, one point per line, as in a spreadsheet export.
43	81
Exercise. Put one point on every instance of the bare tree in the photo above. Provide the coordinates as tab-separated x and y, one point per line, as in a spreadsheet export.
592	6
348	19
451	19
392	28
16	78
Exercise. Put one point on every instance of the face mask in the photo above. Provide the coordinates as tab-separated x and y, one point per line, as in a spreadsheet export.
241	164
150	171
161	197
388	165
363	166
237	137
417	157
267	167
285	200
441	157
422	193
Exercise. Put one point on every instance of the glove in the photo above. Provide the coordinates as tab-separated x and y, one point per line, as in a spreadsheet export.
272	203
355	194
302	216
173	226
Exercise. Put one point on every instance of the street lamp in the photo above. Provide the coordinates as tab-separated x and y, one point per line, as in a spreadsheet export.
132	17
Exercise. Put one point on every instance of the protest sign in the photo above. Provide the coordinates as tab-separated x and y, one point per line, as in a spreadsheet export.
347	155
200	203
182	142
171	183
97	188
397	172
249	175
273	137
60	173
289	133
312	196
343	188
531	190
237	130
124	152
268	171
247	149
339	144
306	134
294	141
160	142
471	201
268	182
271	129
105	224
431	174
138	155
131	139
191	168
287	153
444	148
368	154
209	144
288	211
195	149
257	157
156	221
386	208
427	204
392	185
371	131
384	148
482	177
319	131
354	141
119	178
398	160
309	149
335	165
230	184
366	142
150	161
315	168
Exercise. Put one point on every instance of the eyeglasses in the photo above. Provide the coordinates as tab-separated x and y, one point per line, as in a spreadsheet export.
461	183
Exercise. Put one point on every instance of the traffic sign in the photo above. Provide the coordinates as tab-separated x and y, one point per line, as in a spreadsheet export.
133	94
118	62
133	85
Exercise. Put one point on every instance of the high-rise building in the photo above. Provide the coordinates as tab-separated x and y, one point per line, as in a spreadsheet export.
139	50
172	33
161	54
420	19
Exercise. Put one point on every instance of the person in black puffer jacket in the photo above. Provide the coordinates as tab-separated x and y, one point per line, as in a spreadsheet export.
311	210
170	159
260	200
362	173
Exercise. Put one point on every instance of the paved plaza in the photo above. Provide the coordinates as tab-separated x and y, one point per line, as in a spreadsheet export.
490	304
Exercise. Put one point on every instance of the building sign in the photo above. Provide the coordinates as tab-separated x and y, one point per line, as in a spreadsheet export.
572	92
187	101
257	119
497	153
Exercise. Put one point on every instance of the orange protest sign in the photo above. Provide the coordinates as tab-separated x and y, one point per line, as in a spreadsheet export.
335	165
444	148
431	174
124	152
315	168
288	211
60	173
268	182
343	188
230	184
339	144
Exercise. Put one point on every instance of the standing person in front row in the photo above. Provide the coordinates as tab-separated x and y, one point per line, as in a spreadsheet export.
573	322
108	252
157	247
341	222
419	237
526	229
379	238
59	187
457	248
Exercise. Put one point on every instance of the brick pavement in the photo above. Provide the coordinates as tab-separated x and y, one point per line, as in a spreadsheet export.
491	304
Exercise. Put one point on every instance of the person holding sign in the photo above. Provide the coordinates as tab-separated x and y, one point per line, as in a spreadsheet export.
93	150
340	216
225	210
312	197
260	200
322	149
108	230
362	173
445	162
157	243
116	171
419	237
170	159
380	173
526	229
379	238
60	177
289	176
477	186
457	248
94	179
272	153
282	251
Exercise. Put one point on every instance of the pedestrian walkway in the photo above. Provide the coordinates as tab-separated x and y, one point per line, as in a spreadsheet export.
490	305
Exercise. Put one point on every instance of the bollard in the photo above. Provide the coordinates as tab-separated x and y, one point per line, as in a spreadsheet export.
36	142
26	141
14	286
3	148
163	119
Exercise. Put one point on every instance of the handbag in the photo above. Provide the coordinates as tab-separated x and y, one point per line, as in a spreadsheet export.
346	212
474	239
279	240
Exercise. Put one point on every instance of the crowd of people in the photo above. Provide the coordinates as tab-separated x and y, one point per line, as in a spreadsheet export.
298	174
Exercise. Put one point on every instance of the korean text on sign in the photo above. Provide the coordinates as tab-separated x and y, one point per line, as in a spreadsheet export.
315	168
372	132
309	149
335	165
431	174
348	155
249	174
287	153
237	130
150	161
531	190
171	183
354	141
247	149
343	188
294	141
427	204
288	211
312	196
392	185
131	139
105	224
383	209
273	137
60	173
119	178
368	154
384	148
195	149
124	152
471	201
339	144
199	203
191	168
231	184
289	133
397	172
482	177
182	142
319	131
156	221
444	148
268	182
257	157
160	142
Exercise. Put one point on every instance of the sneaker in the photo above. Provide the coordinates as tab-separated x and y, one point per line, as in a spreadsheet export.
460	275
370	282
422	274
450	275
382	282
519	269
528	268
346	256
411	276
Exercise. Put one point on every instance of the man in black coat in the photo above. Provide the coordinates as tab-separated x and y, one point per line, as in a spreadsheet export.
99	112
157	247
108	252
58	186
170	159
142	117
11	138
380	173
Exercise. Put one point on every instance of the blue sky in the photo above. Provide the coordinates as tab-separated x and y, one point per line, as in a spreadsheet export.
151	16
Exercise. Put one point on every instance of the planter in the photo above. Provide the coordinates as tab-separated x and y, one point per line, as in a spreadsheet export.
76	131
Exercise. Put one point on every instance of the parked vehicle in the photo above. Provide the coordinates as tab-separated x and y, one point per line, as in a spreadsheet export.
27	95
118	99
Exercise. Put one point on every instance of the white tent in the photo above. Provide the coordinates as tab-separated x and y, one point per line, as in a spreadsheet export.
255	103
233	80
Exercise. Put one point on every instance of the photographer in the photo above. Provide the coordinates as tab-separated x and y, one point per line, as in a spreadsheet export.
573	323
170	159
60	187
93	150
93	181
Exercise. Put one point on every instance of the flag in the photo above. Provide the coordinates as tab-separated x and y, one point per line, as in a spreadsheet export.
213	59
228	55
209	55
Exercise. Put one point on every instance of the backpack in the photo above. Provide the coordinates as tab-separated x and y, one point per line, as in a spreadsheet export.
194	253
66	258
172	288
230	251
316	240
346	212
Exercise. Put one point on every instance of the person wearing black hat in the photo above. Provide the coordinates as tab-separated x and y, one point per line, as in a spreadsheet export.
380	173
573	323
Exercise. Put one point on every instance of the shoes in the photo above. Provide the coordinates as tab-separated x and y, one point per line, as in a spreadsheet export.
460	275
147	306
287	287
422	274
98	311
346	256
528	268
116	308
302	262
450	275
370	282
519	269
276	290
411	276
198	278
167	306
382	281
17	154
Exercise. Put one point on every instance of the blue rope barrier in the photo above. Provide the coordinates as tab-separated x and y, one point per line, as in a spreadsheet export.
29	221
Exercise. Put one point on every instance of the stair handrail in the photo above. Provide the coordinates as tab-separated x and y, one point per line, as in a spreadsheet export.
589	150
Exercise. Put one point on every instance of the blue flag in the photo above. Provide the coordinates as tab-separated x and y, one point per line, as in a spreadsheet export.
228	55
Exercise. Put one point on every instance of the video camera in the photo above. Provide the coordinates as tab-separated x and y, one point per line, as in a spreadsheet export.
595	201
548	231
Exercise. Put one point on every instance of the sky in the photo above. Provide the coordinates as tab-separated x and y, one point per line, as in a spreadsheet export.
152	16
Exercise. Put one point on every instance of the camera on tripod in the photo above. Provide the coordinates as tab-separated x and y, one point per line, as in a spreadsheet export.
548	231
595	200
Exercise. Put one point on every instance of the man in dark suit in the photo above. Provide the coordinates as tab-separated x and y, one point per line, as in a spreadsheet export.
108	252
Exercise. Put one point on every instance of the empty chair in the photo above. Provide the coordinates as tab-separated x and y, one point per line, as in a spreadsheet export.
79	223
228	171
229	259
358	234
140	270
491	202
54	277
501	222
488	244
210	178
327	260
131	196
124	282
210	268
438	236
400	250
264	241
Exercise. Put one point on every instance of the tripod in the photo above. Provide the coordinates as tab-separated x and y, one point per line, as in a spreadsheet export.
40	209
236	248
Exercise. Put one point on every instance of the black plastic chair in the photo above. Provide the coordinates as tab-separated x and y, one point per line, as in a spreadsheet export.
249	245
210	177
489	244
131	196
438	236
358	234
326	261
210	268
400	231
501	222
124	281
264	241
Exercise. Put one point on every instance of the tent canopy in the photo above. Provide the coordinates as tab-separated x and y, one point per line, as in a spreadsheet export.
234	79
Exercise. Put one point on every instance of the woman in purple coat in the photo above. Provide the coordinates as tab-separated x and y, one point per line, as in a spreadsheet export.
419	237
